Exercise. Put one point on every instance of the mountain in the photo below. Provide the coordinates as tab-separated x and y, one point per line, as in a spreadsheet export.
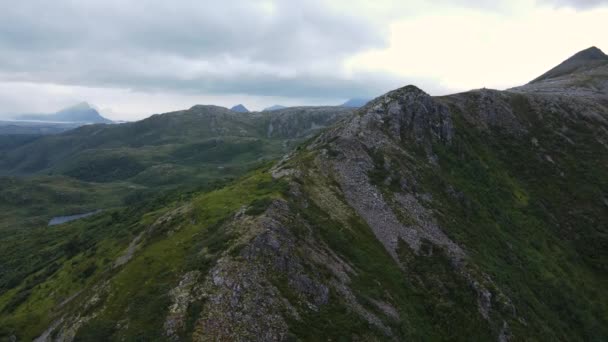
582	76
274	107
584	60
80	113
474	216
170	148
239	109
355	103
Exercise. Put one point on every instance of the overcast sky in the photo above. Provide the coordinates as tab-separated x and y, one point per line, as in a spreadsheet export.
135	58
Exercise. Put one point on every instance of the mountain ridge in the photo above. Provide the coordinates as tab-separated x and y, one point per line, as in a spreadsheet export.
380	226
273	107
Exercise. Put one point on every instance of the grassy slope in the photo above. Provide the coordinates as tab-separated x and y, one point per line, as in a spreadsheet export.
536	226
157	160
167	148
432	299
81	254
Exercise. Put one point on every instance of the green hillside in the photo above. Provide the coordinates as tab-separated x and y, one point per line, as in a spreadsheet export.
204	142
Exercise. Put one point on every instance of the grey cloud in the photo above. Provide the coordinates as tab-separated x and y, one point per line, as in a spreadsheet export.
271	48
151	76
578	4
229	47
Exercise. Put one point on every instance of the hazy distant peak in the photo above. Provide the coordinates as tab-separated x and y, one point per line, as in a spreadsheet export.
355	103
239	109
81	105
79	113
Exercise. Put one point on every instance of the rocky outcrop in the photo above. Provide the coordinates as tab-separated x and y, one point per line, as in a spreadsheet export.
406	114
181	298
274	278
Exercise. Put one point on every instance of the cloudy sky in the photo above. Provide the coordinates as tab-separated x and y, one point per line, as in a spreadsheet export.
132	59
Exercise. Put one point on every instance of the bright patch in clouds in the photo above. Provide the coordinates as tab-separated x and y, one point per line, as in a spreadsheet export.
472	49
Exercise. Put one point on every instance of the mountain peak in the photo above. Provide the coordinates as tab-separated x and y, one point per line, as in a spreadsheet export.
239	109
407	91
82	112
407	113
583	60
592	53
355	103
81	106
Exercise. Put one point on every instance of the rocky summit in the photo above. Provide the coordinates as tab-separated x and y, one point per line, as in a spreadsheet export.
475	216
587	59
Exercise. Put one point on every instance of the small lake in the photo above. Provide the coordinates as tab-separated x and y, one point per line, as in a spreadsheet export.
63	219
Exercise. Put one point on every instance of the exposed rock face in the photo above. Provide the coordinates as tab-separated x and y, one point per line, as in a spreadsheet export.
404	116
181	298
241	300
240	305
407	113
487	109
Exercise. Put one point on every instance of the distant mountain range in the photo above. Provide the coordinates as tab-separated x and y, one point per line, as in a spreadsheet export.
239	109
275	107
351	103
355	103
35	127
80	113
